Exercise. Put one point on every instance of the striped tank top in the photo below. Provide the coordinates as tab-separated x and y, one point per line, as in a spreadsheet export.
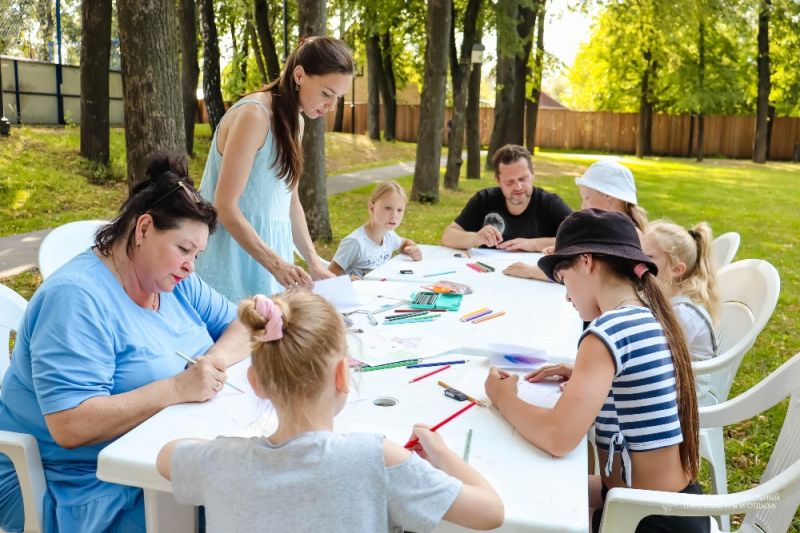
641	411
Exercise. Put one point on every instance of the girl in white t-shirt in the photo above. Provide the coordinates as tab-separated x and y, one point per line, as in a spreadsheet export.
686	270
305	477
373	244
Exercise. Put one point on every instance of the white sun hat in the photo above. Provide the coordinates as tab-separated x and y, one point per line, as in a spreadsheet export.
611	178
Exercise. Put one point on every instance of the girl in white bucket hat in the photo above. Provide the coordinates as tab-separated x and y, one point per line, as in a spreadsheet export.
609	186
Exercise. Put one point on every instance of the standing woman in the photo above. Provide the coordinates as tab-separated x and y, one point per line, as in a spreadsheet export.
253	169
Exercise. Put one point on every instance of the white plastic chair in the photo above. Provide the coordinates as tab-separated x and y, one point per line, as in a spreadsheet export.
770	506
21	448
724	248
749	291
324	262
65	242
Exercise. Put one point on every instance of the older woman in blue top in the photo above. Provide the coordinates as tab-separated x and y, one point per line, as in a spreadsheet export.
95	354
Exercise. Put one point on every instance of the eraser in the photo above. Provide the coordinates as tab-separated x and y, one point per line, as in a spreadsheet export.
455	394
406	271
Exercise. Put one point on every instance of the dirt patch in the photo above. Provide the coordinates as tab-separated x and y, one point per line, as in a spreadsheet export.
558	170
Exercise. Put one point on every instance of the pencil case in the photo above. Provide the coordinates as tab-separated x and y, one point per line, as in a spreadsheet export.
433	300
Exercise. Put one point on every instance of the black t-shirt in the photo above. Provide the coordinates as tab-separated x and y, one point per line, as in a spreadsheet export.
541	218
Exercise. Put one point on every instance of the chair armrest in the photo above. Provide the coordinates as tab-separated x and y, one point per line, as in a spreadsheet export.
23	451
625	508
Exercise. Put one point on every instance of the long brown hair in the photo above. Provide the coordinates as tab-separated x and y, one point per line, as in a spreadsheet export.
659	302
318	56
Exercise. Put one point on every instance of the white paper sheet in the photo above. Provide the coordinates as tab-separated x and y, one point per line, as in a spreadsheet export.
374	349
338	291
517	358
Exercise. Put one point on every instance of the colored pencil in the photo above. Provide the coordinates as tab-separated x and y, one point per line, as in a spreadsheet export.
467	445
192	362
412	320
438	363
484	265
474	267
439	273
417	310
387	366
414	441
406	315
479	315
470	398
423	376
467	316
499	313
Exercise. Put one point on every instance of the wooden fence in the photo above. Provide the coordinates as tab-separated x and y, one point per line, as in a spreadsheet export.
727	136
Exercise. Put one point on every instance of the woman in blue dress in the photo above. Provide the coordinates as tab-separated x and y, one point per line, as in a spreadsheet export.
252	171
95	353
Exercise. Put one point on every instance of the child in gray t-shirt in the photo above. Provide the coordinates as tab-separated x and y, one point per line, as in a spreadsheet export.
304	477
371	245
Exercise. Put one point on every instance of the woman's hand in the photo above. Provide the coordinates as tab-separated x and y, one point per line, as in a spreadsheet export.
523	270
202	380
320	272
500	384
291	276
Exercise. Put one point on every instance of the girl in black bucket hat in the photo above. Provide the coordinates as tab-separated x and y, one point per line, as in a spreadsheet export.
632	375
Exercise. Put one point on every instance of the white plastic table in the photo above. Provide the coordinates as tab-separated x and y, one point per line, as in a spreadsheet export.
540	492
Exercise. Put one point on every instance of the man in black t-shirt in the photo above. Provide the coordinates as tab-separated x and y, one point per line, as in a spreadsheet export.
515	215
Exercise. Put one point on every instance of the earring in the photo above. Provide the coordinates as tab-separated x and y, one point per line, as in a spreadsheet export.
296	86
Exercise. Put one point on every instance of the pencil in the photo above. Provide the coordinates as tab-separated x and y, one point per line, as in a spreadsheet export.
479	315
402	320
423	376
417	310
475	267
467	445
499	313
470	398
439	273
439	363
413	442
386	366
406	315
484	265
193	362
468	316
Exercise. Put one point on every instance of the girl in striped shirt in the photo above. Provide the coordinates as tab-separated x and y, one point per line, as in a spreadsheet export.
632	375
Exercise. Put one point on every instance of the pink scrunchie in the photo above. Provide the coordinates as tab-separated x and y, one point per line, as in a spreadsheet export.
273	329
640	269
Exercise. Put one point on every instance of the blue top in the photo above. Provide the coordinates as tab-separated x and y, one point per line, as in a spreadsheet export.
640	412
265	203
81	337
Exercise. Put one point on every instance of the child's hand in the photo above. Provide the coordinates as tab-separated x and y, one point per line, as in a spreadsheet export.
561	372
499	384
412	250
431	446
548	250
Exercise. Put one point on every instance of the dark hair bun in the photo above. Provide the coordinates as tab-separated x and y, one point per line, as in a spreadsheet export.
170	166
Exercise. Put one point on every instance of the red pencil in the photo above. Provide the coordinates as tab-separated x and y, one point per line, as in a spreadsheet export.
413	442
423	376
416	310
475	267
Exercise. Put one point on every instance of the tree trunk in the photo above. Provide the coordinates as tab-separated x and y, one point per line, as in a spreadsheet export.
190	70
338	122
506	75
532	112
388	89
262	70
645	111
429	139
150	82
44	15
211	78
461	78
526	20
313	191
473	120
760	146
701	75
374	74
95	55
266	40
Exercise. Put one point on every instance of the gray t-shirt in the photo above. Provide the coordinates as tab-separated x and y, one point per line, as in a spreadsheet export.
317	481
358	254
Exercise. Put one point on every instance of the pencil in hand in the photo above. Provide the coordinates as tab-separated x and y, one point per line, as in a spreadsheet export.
191	361
414	441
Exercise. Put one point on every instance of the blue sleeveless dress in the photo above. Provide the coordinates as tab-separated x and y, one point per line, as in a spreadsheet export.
265	203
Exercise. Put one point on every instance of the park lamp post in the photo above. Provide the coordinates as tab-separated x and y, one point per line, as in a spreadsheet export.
5	126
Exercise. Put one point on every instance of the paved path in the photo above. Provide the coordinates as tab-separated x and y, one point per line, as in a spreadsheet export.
18	253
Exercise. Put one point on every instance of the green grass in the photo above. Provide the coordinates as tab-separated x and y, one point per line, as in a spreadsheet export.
758	201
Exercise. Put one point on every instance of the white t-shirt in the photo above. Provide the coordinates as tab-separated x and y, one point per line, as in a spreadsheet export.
358	254
317	481
699	333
